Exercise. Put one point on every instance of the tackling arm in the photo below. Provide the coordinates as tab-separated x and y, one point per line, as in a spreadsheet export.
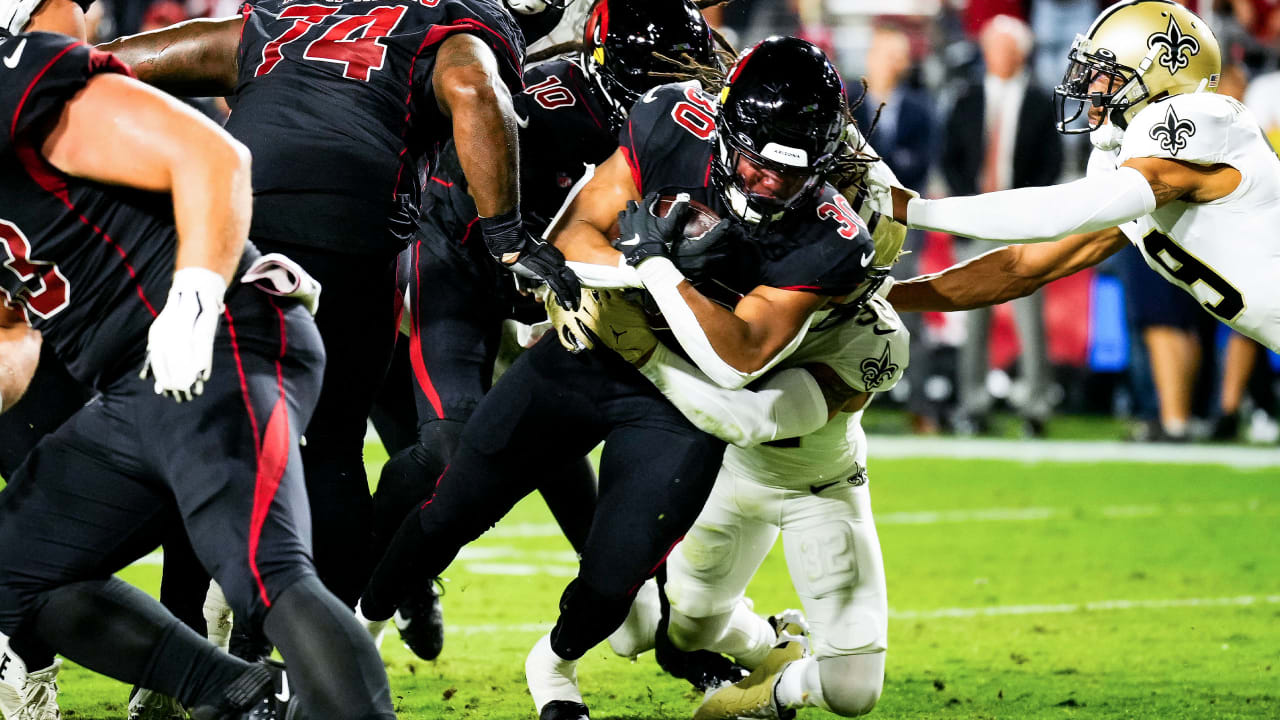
19	355
1009	272
194	58
786	404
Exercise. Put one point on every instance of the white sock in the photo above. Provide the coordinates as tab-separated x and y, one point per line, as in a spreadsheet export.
550	676
748	638
801	685
217	617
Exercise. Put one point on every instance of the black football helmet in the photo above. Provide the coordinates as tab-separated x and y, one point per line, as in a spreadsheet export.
619	42
780	120
537	18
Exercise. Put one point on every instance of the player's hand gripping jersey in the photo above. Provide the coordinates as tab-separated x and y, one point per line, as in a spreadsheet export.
1226	252
89	265
335	102
820	247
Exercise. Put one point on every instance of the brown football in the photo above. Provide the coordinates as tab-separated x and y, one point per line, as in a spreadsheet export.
701	218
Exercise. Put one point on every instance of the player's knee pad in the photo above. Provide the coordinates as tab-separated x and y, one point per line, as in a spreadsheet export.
851	684
697	570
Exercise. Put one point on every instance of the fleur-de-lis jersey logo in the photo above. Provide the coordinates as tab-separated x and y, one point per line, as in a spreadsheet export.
1173	132
876	371
1178	46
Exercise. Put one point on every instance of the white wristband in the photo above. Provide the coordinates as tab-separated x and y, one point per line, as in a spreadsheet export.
1039	213
200	279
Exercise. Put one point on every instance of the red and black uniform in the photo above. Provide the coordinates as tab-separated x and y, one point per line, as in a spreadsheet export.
459	297
552	406
90	265
335	102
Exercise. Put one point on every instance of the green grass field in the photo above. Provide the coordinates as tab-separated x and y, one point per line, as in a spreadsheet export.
1016	591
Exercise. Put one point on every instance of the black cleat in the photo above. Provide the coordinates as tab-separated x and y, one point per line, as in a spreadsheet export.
564	710
261	693
421	622
249	644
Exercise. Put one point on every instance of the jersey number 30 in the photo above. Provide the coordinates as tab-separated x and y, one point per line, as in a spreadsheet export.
350	41
53	294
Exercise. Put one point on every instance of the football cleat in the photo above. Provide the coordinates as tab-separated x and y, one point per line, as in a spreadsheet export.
377	629
150	705
420	621
36	698
553	683
791	625
756	695
262	693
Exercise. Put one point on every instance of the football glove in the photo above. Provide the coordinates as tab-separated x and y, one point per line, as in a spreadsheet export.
180	342
526	256
645	235
276	274
694	256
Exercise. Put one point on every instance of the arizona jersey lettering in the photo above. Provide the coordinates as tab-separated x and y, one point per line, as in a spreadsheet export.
89	265
335	102
1226	253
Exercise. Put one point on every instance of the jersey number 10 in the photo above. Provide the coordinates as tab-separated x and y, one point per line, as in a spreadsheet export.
350	41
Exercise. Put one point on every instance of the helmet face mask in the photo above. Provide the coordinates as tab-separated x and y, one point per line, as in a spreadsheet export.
778	128
1134	53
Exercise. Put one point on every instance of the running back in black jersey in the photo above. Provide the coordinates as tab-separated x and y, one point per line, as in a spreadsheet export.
335	102
821	246
89	265
562	130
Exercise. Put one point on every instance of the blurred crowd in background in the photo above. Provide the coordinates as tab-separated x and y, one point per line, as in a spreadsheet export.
958	95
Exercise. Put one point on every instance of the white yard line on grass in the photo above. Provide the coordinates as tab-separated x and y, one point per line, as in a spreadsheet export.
1070	451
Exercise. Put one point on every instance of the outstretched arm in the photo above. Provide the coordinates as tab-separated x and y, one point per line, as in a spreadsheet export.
19	355
1092	203
1006	273
197	58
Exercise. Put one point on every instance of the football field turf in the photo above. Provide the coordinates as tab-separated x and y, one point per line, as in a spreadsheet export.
1016	589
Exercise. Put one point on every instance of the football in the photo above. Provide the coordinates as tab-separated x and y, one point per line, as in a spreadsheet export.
701	218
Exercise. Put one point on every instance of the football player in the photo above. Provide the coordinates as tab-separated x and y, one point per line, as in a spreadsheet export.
337	183
796	466
787	244
569	113
124	236
1181	172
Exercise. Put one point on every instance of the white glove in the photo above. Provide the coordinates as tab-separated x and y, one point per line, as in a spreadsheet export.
278	275
180	342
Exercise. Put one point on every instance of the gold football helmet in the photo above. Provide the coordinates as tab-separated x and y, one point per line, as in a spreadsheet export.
1136	52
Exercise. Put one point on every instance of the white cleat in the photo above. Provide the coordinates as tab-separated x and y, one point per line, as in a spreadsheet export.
30	695
553	683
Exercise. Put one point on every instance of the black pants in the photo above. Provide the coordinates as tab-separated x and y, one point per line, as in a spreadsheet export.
549	408
356	319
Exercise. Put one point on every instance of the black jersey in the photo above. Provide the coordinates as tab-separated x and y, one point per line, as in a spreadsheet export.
89	265
821	246
562	130
335	102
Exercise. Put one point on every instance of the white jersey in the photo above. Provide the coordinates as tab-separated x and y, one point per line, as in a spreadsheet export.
868	352
1226	252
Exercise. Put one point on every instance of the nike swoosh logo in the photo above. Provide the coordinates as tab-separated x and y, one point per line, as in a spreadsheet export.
633	241
284	694
521	121
815	489
879	331
866	259
11	60
648	98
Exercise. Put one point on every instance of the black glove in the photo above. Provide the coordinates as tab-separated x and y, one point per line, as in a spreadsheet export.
693	256
523	254
643	235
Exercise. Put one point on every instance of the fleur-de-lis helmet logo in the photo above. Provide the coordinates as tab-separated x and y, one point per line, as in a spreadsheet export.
1178	46
1173	132
875	371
